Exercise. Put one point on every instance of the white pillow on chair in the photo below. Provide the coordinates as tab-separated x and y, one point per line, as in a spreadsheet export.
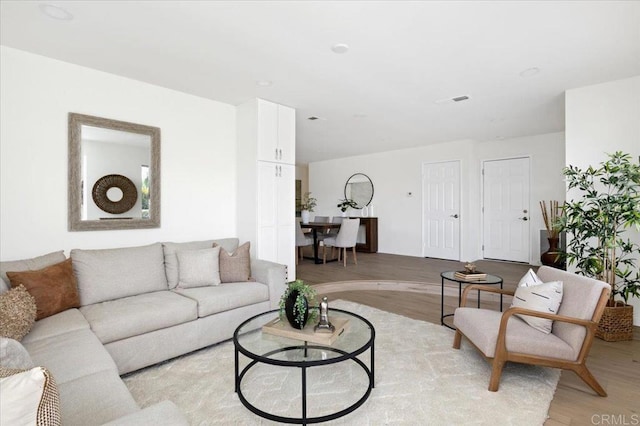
529	279
545	297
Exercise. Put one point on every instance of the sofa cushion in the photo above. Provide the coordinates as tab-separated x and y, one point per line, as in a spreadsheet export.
71	355
54	287
17	313
131	316
171	261
29	397
32	264
235	266
64	322
95	399
115	273
198	268
226	296
481	327
14	355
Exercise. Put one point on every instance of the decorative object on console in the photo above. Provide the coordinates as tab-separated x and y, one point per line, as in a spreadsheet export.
100	194
607	205
345	204
324	324
294	304
307	206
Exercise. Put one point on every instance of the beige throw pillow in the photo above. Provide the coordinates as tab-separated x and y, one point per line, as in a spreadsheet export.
198	268
235	267
17	313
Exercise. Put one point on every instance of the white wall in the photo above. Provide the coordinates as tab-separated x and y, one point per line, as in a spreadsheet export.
395	174
600	119
198	155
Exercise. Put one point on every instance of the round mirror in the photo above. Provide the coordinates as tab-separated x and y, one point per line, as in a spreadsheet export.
359	188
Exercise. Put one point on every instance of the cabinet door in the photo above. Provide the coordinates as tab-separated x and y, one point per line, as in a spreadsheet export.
285	206
286	135
267	238
267	131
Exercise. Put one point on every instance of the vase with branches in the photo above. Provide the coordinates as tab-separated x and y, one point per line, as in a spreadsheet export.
551	215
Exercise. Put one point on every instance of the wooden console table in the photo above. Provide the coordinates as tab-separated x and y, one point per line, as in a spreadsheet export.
370	224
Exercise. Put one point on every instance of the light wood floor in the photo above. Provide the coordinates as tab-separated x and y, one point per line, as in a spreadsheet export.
615	365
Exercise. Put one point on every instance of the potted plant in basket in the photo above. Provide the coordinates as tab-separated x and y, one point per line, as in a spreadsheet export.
344	204
308	204
295	304
598	246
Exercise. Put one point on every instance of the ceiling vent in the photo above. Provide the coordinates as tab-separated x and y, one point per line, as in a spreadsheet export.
460	98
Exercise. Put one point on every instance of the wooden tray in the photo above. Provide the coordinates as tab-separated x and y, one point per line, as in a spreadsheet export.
284	329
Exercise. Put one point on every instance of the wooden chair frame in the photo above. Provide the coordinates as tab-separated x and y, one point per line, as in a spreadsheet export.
502	355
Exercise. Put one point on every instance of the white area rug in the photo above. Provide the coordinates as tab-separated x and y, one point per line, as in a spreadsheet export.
419	379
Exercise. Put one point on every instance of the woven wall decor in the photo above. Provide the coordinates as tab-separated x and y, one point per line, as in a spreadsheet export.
129	194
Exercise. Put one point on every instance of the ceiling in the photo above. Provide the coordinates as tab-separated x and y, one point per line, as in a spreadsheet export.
389	91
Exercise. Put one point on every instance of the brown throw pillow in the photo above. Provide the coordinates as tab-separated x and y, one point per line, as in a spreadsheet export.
235	267
54	288
17	313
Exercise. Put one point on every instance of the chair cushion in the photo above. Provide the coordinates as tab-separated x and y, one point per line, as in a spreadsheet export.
171	260
111	274
32	264
481	327
579	300
135	315
226	296
17	313
198	268
54	288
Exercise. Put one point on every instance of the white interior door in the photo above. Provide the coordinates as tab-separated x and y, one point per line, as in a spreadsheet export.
506	209
441	210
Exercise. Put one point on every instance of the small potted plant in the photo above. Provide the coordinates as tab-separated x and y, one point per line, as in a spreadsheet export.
344	204
308	204
295	304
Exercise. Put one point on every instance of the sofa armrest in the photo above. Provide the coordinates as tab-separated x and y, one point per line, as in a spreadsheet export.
273	275
164	413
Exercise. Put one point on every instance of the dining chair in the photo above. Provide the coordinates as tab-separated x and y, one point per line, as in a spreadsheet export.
334	232
504	337
301	241
347	237
322	219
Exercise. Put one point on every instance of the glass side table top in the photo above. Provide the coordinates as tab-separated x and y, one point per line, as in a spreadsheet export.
491	279
357	337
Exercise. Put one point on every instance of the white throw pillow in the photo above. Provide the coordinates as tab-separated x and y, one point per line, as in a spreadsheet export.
545	297
529	279
199	268
28	397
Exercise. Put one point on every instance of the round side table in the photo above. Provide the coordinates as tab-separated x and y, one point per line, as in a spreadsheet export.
450	276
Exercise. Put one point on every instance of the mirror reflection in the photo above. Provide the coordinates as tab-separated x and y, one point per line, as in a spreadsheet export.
359	188
114	174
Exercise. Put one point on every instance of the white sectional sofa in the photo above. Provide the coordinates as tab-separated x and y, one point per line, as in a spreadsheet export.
133	315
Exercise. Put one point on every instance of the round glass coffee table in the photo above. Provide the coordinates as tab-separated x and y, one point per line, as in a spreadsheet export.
281	352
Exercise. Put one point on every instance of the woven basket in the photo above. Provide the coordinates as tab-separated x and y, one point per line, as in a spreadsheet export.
616	323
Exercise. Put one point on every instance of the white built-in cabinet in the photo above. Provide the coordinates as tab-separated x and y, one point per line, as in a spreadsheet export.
266	180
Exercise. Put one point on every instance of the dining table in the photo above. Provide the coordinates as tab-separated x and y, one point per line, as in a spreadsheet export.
319	229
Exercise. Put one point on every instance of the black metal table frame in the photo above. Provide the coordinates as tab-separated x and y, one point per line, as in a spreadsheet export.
303	365
460	282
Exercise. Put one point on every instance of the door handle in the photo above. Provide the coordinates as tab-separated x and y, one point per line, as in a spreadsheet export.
454	215
524	218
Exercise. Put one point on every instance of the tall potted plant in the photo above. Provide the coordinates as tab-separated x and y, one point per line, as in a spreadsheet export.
596	224
306	207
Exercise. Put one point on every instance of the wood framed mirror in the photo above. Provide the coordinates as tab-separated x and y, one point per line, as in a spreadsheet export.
114	174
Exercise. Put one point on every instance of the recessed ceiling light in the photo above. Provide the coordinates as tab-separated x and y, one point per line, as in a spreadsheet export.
264	83
359	115
340	48
530	72
55	12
